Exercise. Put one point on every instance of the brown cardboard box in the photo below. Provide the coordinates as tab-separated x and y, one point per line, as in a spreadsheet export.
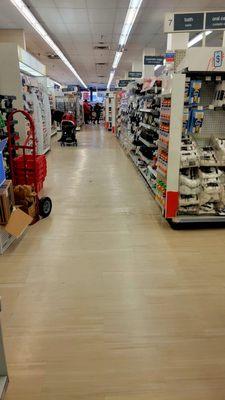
6	202
18	222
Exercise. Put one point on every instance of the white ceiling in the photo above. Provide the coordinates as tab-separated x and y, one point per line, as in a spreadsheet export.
79	25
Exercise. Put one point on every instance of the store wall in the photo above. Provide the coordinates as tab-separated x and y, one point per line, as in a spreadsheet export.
10	80
13	36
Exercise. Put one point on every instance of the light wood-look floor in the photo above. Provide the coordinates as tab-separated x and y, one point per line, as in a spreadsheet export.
103	301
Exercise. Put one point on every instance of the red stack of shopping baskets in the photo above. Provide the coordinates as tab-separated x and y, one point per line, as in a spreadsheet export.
25	166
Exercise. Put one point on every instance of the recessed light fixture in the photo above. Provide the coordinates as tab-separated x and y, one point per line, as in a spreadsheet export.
131	15
24	10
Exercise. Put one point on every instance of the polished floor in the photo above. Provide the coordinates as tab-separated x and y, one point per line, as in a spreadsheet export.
103	301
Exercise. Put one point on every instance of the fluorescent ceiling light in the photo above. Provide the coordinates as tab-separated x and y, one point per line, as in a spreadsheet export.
131	15
24	10
117	58
198	38
28	70
111	76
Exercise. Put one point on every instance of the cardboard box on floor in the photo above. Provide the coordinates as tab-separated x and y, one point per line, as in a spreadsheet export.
6	202
18	222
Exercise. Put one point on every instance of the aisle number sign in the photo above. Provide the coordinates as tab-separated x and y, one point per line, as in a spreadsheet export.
134	74
124	82
153	60
197	21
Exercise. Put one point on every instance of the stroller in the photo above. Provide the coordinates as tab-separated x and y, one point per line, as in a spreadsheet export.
68	126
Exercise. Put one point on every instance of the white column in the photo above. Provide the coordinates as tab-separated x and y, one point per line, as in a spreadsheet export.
137	66
223	39
148	70
13	36
177	41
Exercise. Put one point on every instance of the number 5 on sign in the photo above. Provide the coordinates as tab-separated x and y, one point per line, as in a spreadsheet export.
218	58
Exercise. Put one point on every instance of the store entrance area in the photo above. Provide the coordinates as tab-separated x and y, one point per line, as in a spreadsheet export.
103	300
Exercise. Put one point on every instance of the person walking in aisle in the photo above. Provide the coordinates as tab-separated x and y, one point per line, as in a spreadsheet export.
87	111
97	110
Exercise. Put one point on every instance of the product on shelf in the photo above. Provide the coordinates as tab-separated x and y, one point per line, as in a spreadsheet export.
194	93
196	121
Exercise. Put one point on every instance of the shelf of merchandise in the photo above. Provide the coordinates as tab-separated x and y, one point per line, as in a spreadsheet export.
4	380
145	159
46	150
146	110
146	142
54	131
149	127
134	158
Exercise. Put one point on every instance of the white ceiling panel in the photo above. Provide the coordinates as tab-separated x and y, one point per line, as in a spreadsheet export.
74	16
49	15
42	3
70	3
101	15
102	29
112	4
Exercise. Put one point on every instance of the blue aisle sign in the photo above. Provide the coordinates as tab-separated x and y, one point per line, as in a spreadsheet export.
153	60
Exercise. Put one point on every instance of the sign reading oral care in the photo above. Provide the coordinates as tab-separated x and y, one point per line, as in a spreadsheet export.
215	20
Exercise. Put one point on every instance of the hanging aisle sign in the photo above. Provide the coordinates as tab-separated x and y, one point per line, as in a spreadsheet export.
134	74
215	20
197	21
153	60
189	22
123	82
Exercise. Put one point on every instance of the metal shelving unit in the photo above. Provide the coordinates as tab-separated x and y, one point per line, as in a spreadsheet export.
4	379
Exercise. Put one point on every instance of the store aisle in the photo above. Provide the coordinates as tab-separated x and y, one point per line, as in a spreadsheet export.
103	300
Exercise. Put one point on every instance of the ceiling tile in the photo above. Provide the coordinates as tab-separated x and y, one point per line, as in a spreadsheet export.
103	15
74	16
49	15
70	3
42	3
102	29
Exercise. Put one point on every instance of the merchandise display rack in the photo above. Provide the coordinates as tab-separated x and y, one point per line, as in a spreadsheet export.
4	380
186	170
138	128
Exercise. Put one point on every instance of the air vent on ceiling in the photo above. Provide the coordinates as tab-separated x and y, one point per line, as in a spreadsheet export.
101	47
53	56
101	76
99	64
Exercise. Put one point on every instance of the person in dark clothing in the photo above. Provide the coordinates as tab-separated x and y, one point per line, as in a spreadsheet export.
97	110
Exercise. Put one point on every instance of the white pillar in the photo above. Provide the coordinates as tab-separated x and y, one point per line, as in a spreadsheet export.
148	70
13	36
223	39
177	41
137	66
